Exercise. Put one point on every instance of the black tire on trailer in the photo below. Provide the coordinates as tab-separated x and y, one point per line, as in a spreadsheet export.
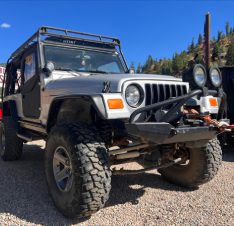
11	146
84	188
203	165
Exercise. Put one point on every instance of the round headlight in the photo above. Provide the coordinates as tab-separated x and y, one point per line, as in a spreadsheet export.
133	95
215	77
199	75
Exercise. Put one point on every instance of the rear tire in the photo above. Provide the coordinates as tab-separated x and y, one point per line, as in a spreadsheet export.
203	165
90	177
11	145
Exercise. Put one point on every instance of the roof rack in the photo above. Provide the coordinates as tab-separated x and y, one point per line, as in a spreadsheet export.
62	33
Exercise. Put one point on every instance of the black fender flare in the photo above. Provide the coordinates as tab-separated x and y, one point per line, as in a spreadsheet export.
96	102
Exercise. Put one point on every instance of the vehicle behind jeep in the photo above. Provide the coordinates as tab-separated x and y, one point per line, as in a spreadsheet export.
75	91
228	87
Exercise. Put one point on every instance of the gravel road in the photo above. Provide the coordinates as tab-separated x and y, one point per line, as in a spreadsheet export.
144	199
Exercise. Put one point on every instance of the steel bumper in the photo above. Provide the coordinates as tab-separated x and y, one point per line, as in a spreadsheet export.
165	133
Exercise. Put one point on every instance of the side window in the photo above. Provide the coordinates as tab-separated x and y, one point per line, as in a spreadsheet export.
29	66
13	78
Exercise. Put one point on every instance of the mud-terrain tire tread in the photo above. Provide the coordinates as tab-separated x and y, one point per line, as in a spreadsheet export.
209	160
105	132
91	169
13	144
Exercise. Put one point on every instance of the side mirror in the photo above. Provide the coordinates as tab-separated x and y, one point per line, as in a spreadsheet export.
49	68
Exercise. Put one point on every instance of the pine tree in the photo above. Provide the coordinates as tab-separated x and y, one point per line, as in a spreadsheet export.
227	27
200	39
216	52
149	64
167	67
230	53
179	62
191	47
139	69
219	36
232	30
157	67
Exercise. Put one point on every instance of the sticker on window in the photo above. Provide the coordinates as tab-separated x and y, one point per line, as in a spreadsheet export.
29	67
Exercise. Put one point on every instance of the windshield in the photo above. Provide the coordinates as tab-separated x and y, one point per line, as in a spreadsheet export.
83	60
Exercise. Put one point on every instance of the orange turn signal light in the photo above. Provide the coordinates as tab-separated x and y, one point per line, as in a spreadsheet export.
213	102
115	104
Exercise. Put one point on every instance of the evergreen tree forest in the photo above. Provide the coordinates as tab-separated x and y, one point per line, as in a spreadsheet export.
222	53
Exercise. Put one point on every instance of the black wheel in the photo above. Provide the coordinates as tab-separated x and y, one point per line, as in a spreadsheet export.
202	165
77	170
11	145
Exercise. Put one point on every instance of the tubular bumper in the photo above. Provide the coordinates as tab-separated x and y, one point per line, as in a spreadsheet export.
180	101
163	132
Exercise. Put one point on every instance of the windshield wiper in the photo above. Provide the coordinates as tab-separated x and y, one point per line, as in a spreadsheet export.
65	69
68	69
97	71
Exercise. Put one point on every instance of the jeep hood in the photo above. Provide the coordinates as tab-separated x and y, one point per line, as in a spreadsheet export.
83	83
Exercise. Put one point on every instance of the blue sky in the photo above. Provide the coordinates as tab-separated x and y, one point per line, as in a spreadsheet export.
159	28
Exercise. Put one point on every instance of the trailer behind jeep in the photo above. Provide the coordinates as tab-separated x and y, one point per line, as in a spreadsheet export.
228	112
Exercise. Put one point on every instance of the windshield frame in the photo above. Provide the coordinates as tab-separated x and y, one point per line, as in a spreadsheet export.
100	50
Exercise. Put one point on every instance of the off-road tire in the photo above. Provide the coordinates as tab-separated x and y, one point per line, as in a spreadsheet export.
12	150
90	167
203	166
105	131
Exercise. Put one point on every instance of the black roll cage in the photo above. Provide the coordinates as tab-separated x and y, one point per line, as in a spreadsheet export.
46	31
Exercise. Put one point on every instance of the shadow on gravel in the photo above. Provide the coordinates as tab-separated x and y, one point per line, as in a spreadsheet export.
129	188
24	192
228	154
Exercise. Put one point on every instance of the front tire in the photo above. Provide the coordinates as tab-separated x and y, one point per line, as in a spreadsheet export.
11	146
203	165
85	158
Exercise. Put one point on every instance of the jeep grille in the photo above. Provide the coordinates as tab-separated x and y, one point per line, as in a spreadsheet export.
159	92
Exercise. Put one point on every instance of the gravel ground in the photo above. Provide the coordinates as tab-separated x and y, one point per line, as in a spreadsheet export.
144	199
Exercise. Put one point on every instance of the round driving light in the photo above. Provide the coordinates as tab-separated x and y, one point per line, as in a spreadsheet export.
215	77
133	95
199	75
196	76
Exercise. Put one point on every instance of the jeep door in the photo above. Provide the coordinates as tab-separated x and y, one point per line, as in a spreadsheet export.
31	84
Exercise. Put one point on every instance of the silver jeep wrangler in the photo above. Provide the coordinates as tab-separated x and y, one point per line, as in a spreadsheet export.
75	91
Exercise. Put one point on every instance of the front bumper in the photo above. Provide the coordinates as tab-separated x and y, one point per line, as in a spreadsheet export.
165	133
